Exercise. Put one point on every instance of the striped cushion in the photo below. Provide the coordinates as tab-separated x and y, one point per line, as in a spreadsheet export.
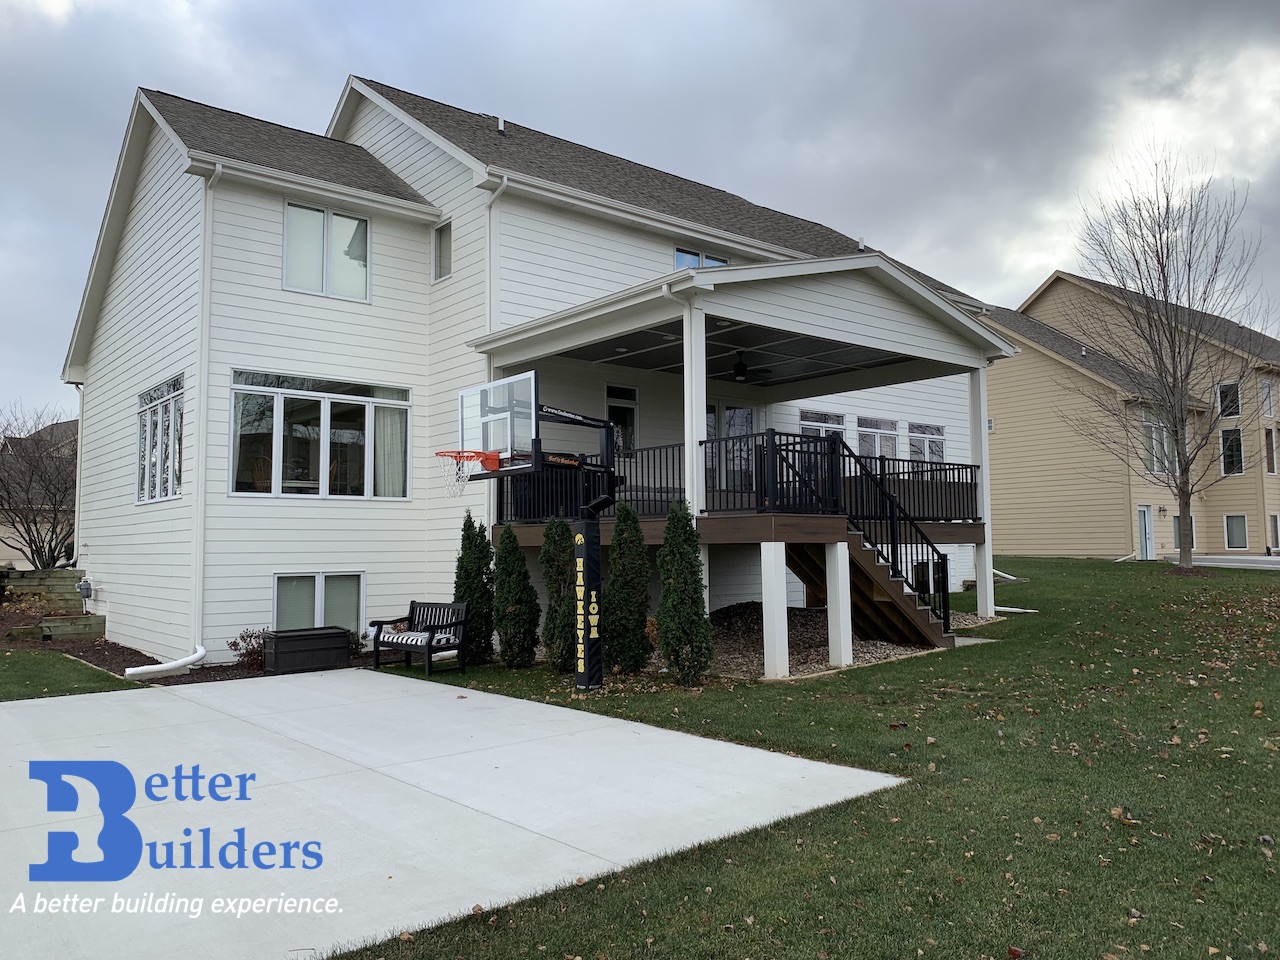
442	639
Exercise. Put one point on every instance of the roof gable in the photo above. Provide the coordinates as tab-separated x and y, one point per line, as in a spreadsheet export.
223	133
526	151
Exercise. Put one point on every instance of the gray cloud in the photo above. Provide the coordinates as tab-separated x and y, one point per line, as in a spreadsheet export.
953	135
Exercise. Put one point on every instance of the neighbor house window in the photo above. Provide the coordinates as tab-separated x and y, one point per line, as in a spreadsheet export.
1268	404
306	600
1275	531
1232	453
304	436
622	405
816	423
1229	399
692	259
1237	529
326	252
925	442
877	438
1158	455
1269	441
442	251
160	441
1177	532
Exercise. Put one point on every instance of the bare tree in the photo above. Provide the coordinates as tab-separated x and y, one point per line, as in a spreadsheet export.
38	484
1171	299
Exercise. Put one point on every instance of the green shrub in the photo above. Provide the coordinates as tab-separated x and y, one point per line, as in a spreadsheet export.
515	603
625	599
684	632
473	585
556	558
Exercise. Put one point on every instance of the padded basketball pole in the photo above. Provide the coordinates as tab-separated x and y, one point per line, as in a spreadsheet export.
588	568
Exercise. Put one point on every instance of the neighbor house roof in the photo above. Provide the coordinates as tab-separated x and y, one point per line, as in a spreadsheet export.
223	133
1069	349
526	151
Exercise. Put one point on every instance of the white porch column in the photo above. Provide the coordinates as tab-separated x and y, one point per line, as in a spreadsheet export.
839	606
981	455
695	407
773	593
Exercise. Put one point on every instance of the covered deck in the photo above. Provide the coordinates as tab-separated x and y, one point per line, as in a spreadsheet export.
749	338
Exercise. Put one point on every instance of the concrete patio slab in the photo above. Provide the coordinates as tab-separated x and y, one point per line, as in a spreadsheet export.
419	799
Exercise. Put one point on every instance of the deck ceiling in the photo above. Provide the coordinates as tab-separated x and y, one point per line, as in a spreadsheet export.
773	357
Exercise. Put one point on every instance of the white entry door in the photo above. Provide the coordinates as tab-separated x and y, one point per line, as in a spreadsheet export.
1146	537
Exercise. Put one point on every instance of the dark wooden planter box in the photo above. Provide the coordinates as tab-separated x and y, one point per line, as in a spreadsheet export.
311	648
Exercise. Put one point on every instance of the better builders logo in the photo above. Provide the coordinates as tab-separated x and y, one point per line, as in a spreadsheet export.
116	849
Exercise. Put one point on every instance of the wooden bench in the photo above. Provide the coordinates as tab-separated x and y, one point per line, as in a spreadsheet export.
431	629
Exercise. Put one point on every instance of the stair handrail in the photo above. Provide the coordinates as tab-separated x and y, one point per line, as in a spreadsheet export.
897	518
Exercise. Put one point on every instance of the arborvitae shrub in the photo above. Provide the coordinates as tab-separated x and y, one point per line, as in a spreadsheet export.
684	632
515	603
625	600
556	558
473	585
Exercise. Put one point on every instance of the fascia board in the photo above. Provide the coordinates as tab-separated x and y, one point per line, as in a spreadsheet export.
549	191
120	196
206	164
417	126
343	111
1044	285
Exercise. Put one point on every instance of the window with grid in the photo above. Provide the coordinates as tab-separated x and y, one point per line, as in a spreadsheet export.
925	441
160	441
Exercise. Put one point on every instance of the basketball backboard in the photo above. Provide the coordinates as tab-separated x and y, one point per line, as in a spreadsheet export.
500	417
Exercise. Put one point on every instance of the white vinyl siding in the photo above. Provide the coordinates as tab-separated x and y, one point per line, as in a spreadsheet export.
140	559
383	343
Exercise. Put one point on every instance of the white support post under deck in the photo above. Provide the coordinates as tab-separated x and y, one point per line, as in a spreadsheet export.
695	407
704	555
839	606
980	454
773	593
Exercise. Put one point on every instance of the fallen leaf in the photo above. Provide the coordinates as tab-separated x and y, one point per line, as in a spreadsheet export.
477	910
580	881
406	937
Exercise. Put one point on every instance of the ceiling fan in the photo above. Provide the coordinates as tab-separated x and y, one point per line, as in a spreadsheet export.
742	373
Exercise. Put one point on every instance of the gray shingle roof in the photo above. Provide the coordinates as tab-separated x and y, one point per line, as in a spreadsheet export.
1252	342
523	150
237	137
1067	348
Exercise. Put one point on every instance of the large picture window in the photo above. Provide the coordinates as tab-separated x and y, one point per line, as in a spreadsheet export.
326	252
160	441
307	437
1232	453
305	600
877	438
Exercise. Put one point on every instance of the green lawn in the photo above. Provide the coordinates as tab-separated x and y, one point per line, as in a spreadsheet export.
1095	786
29	674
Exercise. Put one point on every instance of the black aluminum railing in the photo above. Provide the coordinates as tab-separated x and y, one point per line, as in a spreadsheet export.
930	491
537	496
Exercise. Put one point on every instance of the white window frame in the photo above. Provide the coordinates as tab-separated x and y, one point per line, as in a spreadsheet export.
1239	399
168	396
1268	401
1225	538
319	575
879	433
702	256
327	399
1275	531
1158	455
1177	519
1269	449
928	438
821	423
327	252
1222	452
437	230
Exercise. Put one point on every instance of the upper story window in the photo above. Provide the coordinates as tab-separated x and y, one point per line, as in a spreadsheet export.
816	423
1232	453
1229	399
877	437
326	252
925	442
441	251
302	436
693	259
1158	455
160	441
1268	404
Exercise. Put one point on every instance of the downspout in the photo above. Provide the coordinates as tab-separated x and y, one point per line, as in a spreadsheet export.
197	453
490	278
75	532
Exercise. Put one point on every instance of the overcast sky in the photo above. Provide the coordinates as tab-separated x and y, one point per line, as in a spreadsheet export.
956	136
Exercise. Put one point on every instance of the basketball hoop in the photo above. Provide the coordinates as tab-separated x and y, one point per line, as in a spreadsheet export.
457	467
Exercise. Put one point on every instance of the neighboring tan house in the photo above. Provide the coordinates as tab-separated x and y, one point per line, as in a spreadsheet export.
1056	494
277	325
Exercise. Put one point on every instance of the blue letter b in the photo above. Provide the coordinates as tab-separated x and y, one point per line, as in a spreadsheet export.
119	840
